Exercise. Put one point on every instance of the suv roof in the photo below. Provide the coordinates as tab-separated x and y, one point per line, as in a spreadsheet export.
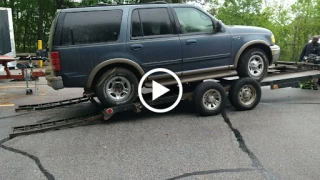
123	6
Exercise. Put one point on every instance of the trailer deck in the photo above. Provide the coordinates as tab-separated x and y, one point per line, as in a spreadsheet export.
286	74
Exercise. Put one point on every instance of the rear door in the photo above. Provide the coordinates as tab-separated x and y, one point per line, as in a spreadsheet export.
153	40
88	38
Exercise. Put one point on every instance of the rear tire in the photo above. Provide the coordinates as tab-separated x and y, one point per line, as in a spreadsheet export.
209	98
253	63
245	94
116	87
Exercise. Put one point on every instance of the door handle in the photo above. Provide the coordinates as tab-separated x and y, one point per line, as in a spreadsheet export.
136	47
236	37
191	41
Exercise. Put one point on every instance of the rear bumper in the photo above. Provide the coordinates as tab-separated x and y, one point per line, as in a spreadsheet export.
275	50
54	81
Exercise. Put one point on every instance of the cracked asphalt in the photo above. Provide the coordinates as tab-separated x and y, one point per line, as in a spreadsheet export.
276	140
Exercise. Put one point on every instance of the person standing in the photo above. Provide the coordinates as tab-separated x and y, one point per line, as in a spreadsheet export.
311	48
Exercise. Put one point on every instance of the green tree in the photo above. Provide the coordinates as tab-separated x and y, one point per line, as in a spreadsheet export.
304	25
239	12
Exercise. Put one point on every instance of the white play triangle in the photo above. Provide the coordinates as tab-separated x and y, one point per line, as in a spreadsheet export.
158	90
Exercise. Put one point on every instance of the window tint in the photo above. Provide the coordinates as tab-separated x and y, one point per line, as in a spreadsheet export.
136	25
91	27
192	20
155	21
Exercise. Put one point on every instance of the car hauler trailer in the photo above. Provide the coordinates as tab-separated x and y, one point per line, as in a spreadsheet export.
209	97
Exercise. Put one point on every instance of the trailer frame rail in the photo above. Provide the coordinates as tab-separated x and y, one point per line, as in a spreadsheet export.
52	125
54	104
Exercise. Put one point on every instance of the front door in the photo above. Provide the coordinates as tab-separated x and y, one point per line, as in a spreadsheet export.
152	40
201	47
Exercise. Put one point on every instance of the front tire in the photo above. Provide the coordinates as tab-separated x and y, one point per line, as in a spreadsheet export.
116	87
253	63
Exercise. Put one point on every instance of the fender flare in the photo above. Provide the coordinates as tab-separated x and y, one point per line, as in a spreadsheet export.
245	46
110	62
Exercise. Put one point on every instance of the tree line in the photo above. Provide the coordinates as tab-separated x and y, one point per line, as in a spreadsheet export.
292	26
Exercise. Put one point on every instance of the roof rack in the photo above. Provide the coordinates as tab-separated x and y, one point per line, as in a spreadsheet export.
105	4
157	2
153	2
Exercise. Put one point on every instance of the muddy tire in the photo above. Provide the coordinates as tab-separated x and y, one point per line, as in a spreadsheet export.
116	87
253	63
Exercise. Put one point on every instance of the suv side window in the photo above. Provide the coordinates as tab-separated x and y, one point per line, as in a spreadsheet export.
193	21
136	30
91	27
154	22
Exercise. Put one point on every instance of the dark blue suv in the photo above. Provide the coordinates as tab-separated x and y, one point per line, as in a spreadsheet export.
107	49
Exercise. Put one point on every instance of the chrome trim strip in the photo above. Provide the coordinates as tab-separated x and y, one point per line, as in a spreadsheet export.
162	63
191	72
159	39
203	58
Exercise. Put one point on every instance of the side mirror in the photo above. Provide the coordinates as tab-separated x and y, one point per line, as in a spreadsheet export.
217	26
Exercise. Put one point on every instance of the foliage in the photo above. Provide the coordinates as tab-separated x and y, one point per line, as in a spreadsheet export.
292	26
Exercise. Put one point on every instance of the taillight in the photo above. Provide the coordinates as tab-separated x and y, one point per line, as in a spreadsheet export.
55	61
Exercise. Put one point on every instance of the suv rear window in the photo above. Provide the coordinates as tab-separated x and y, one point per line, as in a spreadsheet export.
91	27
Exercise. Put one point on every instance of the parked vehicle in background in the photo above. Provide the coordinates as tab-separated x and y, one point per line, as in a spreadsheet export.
107	49
7	43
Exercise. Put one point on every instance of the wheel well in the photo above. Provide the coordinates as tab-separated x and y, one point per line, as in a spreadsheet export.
106	68
263	47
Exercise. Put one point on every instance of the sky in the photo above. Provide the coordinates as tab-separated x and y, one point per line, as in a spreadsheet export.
285	3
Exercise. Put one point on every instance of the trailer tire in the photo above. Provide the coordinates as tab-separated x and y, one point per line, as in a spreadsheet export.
253	63
209	98
245	94
122	84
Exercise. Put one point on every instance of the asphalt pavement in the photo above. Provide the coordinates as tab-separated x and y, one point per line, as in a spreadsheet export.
276	140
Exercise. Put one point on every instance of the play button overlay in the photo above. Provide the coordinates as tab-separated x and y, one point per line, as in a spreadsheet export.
159	90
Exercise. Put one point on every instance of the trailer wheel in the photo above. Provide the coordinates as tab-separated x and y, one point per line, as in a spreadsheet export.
209	98
245	94
117	86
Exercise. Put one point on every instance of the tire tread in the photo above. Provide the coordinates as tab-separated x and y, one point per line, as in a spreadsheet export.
234	90
117	70
199	92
